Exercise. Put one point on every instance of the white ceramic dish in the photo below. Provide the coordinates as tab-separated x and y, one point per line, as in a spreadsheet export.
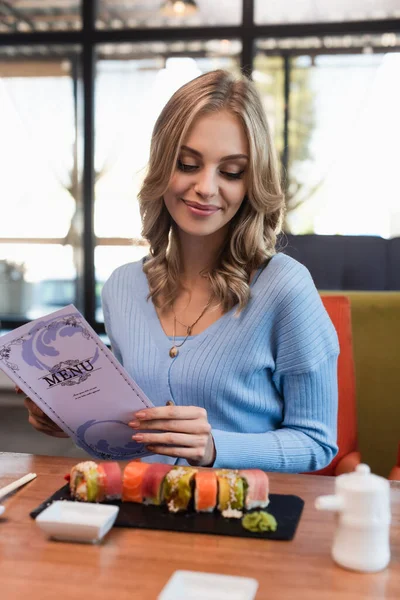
193	585
77	521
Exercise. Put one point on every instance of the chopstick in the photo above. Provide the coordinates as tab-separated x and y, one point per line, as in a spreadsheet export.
16	484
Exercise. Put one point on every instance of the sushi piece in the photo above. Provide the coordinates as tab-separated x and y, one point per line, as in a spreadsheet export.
111	475
256	488
86	484
178	488
153	483
206	490
133	480
92	482
230	493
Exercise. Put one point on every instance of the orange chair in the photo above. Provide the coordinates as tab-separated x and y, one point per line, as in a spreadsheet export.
338	308
394	474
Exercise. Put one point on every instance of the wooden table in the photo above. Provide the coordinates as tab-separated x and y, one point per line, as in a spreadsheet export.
133	564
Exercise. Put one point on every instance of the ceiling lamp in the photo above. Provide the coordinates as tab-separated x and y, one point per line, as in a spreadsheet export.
179	8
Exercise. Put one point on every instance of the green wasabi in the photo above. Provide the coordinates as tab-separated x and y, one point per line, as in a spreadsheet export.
259	521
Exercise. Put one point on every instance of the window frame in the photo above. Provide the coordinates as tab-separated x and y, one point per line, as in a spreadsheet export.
89	38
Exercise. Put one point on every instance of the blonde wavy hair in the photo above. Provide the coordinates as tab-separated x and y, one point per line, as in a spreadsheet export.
252	236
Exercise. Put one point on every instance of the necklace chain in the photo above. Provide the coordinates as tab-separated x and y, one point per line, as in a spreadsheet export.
174	350
183	324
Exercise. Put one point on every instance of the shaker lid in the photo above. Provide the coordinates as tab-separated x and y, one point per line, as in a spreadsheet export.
362	480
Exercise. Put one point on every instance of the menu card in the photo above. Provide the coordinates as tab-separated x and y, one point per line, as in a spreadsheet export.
62	365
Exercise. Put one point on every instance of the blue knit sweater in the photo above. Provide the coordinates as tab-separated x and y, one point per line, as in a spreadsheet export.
268	378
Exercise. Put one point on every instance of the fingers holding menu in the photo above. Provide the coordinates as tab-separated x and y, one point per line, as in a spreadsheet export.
179	431
41	422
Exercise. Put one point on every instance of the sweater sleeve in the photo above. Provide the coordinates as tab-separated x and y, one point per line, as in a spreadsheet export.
306	440
305	351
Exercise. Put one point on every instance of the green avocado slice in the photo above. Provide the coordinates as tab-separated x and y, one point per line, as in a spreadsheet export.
231	492
92	485
178	492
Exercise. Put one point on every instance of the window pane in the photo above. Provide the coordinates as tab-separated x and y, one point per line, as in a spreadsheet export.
39	15
170	13
268	76
40	234
366	43
343	144
312	11
133	84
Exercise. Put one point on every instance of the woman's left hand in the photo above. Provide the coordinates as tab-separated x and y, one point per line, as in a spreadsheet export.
182	431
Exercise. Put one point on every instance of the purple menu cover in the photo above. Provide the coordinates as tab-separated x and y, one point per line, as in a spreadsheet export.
62	365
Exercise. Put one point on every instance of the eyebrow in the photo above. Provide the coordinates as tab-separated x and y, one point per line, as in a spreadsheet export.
224	158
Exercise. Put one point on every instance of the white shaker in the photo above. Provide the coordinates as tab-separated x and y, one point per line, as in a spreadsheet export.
362	536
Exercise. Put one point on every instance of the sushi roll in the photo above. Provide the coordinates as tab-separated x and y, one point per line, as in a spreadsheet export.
153	483
256	487
133	480
178	488
90	482
206	490
86	484
230	493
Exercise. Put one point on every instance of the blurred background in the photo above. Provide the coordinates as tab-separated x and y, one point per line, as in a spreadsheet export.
81	85
82	82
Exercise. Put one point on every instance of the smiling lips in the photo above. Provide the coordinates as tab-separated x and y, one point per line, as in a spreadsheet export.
201	209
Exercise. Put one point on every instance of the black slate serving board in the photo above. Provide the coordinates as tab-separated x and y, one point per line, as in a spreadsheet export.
286	509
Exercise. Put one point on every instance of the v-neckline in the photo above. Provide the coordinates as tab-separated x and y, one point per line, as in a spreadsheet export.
163	340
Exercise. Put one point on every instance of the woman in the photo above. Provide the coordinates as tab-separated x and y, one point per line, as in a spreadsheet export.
230	334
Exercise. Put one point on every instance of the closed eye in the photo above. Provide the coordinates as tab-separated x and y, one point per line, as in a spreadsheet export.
186	168
233	175
191	168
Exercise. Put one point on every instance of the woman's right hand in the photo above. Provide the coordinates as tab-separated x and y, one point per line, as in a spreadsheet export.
39	420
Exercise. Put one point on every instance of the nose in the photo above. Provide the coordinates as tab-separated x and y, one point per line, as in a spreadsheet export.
206	184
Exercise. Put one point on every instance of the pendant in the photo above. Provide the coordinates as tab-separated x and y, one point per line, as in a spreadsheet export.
173	352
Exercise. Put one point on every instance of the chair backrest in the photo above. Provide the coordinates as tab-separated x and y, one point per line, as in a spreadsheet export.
339	310
395	471
375	324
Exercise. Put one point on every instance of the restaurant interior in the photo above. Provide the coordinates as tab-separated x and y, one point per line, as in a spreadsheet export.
81	85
